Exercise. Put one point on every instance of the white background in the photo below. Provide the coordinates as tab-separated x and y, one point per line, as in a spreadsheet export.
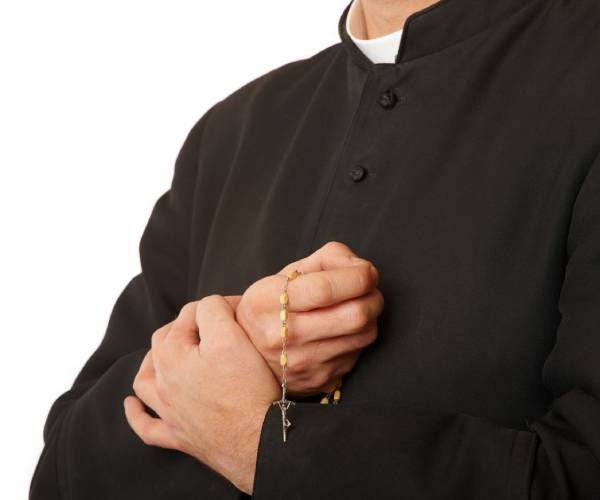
96	99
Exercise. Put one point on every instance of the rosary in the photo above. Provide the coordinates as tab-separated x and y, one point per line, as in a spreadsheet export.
284	403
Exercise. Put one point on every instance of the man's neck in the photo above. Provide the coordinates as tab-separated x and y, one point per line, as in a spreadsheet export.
381	17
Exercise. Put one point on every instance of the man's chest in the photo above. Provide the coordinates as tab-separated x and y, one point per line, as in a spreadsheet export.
460	195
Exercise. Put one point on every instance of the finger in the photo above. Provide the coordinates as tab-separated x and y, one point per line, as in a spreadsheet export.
338	367
332	255
184	330
146	369
145	386
325	350
325	288
152	431
157	344
159	335
326	379
216	318
346	318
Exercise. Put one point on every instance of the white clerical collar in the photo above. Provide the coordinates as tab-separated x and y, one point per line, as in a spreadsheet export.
379	50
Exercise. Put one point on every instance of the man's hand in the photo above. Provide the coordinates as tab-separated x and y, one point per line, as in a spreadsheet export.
209	386
333	312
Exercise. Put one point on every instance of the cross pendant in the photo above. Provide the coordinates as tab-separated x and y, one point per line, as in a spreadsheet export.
284	405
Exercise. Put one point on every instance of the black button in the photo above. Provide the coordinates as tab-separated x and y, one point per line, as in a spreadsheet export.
388	99
358	173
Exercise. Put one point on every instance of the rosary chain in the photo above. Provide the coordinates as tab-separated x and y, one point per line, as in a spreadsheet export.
284	404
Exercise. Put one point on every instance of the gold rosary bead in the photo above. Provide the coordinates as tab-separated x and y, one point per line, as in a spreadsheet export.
283	298
283	314
337	395
292	275
325	400
284	332
283	359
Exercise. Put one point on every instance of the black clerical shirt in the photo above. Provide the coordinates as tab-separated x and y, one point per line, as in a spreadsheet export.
468	171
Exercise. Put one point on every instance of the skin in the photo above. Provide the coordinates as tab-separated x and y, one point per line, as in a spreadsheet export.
210	388
212	373
332	317
377	18
206	353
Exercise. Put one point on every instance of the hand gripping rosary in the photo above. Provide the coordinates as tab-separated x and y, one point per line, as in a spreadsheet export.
284	403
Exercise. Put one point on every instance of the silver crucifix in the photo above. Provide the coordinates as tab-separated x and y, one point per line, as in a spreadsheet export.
284	405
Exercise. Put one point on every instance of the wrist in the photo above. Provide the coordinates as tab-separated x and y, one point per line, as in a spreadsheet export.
238	463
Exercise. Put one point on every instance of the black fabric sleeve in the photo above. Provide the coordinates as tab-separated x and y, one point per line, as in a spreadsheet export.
90	452
385	451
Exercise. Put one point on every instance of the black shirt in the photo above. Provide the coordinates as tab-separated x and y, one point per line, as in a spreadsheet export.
469	173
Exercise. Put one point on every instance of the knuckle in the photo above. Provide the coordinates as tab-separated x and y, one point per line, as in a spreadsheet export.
272	341
364	277
210	300
360	261
247	306
137	385
358	316
370	336
359	341
299	366
335	247
155	339
256	296
190	307
205	305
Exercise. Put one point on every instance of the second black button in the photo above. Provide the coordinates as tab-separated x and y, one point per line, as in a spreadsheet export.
358	173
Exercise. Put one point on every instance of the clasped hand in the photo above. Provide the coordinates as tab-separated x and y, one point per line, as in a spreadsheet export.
212	373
